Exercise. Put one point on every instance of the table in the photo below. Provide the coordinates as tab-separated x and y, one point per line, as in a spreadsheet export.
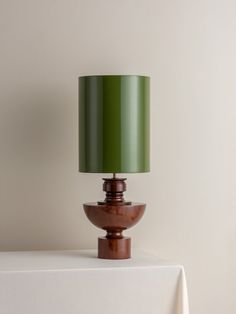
76	282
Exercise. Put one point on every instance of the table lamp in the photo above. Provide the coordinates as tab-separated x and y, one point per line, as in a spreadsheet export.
114	138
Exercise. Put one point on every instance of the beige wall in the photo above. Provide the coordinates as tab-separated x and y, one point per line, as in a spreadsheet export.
188	48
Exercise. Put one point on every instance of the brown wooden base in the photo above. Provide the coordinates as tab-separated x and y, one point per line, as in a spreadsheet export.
114	248
114	215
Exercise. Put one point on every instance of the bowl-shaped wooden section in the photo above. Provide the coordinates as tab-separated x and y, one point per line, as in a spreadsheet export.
114	217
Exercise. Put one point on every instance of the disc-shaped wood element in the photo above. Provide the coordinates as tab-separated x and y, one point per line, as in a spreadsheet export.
114	218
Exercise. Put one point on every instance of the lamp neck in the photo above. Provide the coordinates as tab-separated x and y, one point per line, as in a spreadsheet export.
114	188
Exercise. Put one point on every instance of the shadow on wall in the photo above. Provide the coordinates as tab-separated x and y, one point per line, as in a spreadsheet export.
38	158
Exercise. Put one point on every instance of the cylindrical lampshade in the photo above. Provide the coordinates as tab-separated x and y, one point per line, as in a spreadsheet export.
114	124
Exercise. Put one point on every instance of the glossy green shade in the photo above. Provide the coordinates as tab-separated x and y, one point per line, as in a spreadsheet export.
114	124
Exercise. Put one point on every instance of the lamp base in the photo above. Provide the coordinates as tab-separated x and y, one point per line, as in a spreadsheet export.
114	219
114	215
114	248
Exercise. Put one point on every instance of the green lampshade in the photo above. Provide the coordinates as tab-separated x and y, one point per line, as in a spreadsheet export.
114	124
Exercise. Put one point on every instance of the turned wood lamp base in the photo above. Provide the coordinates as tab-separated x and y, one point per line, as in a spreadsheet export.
114	215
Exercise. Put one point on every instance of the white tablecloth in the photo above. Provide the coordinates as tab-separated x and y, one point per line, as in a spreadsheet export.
76	282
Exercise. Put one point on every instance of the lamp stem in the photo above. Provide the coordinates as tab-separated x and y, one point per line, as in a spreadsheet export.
114	175
114	188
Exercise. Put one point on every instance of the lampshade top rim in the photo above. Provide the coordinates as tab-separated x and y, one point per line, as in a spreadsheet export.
116	172
115	75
